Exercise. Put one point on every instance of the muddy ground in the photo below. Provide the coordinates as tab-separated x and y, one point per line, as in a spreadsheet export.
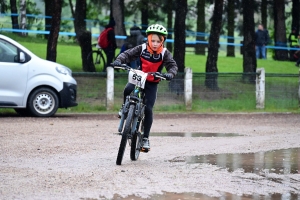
73	157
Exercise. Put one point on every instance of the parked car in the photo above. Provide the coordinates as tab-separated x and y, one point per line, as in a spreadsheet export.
31	85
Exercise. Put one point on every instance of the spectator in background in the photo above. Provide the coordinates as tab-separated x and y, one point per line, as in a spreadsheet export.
293	40
261	40
297	57
134	39
110	50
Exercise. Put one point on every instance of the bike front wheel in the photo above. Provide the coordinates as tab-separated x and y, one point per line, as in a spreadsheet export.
98	59
126	132
136	145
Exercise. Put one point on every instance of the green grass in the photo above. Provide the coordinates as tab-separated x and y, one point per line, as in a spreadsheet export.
69	54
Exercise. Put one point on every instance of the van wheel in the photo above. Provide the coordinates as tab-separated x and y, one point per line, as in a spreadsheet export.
24	112
43	102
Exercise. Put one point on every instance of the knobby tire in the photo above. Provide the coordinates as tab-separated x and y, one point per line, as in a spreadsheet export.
127	130
135	146
136	142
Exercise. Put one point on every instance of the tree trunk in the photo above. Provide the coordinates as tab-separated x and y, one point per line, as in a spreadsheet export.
264	13
280	30
200	47
213	47
230	29
83	36
177	85
144	15
14	17
54	30
296	15
179	33
49	9
118	14
72	11
23	16
170	23
249	56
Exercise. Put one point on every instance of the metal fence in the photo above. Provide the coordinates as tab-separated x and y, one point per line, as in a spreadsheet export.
233	93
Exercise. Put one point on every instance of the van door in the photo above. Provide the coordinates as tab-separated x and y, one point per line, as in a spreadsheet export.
13	75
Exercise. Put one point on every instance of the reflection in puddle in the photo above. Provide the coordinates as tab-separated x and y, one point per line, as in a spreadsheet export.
181	134
285	161
193	196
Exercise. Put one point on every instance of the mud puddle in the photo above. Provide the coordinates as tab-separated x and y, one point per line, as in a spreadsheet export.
198	134
194	196
284	161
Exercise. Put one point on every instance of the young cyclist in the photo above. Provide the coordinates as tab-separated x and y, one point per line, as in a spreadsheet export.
153	58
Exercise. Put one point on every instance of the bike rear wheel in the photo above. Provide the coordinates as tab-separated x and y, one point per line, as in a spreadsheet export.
126	132
98	59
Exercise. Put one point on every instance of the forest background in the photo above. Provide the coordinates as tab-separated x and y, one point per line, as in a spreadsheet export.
207	26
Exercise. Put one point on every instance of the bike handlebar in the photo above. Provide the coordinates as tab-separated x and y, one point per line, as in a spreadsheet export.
128	68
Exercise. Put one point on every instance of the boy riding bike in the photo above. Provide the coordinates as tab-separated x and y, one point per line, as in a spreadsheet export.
153	58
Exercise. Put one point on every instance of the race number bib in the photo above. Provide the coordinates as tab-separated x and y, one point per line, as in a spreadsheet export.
138	78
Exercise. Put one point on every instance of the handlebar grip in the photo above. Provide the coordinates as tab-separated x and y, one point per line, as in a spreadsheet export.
121	66
158	75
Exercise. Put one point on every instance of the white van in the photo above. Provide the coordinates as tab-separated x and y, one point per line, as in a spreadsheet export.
31	85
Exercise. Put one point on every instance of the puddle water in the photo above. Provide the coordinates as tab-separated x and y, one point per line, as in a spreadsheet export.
194	196
180	134
284	161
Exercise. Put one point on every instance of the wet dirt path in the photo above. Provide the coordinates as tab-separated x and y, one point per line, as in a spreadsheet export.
73	157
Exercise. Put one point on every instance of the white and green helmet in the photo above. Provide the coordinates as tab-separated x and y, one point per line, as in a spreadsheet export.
157	28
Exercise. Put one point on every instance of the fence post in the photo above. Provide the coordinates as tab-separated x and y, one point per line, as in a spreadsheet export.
260	88
188	88
110	88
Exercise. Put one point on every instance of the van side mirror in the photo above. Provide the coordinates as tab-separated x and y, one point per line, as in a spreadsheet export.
22	57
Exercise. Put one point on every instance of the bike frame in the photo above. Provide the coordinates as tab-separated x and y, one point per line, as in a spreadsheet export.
136	98
133	115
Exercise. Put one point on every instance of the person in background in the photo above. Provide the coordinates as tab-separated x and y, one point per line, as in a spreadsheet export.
294	43
134	39
261	40
297	57
110	50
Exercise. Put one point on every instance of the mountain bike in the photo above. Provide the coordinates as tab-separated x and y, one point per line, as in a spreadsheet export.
97	57
133	114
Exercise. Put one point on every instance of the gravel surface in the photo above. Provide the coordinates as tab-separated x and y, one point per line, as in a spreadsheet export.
73	156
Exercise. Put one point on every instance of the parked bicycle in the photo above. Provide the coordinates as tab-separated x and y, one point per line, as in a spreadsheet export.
97	57
133	114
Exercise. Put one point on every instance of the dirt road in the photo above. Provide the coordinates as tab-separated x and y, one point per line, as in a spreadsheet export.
73	156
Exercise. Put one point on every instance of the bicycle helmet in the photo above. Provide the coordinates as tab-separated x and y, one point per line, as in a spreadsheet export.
157	28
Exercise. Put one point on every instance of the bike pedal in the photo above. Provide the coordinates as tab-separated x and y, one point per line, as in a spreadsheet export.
144	150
